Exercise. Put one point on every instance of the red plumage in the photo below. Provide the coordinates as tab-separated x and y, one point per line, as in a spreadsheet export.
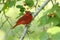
26	19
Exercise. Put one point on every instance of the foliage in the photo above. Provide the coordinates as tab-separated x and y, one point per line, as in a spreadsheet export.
45	37
51	16
22	9
46	25
29	3
8	4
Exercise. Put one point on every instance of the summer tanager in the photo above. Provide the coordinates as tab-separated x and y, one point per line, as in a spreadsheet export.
26	19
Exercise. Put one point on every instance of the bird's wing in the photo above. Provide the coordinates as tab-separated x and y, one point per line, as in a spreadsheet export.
23	19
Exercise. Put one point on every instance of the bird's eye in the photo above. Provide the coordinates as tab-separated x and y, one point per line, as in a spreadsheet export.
30	14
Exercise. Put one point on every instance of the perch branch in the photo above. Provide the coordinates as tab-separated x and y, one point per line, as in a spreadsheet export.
34	15
23	34
40	8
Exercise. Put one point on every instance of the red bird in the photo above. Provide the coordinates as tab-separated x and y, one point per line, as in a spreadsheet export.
26	19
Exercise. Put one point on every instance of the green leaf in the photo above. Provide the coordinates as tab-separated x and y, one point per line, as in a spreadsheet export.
43	36
56	9
58	13
10	37
8	4
22	9
11	3
5	6
53	30
29	3
0	0
58	25
56	36
55	20
20	14
18	0
44	20
18	29
19	6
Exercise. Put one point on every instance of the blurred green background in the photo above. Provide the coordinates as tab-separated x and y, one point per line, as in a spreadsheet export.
37	31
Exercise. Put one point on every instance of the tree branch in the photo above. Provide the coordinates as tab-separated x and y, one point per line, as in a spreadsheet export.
40	8
7	20
23	34
34	15
6	17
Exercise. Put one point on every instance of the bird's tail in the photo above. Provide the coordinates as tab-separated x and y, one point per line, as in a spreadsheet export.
14	26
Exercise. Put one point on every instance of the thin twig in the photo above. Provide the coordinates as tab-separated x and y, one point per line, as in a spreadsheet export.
3	23
1	20
34	15
9	31
7	19
55	1
36	4
2	3
52	2
40	8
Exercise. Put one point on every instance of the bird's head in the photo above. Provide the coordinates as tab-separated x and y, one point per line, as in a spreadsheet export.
28	13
